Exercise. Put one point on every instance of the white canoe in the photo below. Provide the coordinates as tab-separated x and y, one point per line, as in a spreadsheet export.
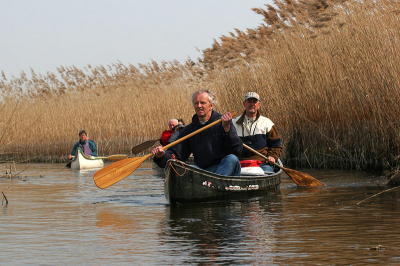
81	161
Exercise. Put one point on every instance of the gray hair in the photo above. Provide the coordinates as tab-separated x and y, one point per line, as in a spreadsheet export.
211	96
172	120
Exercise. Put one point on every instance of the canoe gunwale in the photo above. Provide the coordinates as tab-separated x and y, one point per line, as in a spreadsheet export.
91	163
79	150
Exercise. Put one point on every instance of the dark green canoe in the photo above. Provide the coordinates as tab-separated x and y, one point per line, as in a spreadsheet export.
186	183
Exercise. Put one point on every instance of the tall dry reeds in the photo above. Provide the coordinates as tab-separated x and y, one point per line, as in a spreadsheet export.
327	73
118	110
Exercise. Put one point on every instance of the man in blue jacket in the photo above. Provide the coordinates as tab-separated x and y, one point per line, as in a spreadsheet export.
215	149
87	146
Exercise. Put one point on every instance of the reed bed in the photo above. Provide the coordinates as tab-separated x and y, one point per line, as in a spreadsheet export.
326	71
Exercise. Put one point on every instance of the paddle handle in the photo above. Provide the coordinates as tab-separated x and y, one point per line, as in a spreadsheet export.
262	155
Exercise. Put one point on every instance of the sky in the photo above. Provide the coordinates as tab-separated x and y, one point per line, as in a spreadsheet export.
46	34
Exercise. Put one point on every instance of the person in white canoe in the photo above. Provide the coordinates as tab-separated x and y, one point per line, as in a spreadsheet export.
87	146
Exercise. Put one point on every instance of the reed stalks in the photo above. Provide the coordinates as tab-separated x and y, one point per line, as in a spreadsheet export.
327	73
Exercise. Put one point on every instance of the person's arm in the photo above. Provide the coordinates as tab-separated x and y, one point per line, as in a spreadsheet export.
233	144
226	122
73	152
180	151
160	156
175	135
274	144
93	147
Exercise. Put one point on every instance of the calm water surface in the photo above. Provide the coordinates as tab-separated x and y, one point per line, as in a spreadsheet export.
59	217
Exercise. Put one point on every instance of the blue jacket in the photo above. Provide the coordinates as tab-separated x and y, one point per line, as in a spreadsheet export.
208	147
92	146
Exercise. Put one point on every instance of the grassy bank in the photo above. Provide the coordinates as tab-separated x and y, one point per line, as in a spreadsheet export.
327	73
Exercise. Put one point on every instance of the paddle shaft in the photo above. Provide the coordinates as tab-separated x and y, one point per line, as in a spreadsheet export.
115	157
117	171
147	144
301	179
260	154
192	134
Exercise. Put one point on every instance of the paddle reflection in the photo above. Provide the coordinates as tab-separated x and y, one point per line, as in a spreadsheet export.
224	231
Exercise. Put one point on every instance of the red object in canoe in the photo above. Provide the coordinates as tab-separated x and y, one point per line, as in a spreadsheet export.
250	163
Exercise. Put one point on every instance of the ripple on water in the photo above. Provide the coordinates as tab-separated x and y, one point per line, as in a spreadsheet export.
57	215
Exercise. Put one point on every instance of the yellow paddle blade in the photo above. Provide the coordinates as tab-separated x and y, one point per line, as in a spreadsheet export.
302	179
117	157
117	171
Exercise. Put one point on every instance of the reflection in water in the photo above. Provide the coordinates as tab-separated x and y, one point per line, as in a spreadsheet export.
233	232
128	234
327	225
56	216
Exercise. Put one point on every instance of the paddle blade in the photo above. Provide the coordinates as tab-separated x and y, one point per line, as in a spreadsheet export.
303	179
117	171
144	146
117	157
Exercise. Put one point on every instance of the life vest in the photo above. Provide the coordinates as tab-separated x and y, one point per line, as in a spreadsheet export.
85	147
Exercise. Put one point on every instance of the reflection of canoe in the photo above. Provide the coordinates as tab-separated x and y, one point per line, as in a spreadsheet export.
186	183
81	161
156	169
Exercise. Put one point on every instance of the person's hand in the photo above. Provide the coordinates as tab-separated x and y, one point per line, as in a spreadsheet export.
226	121
69	157
158	152
271	160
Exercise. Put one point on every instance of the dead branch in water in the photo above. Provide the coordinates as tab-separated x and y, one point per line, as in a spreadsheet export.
379	193
4	198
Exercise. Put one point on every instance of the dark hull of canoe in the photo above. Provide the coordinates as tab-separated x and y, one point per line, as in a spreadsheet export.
196	185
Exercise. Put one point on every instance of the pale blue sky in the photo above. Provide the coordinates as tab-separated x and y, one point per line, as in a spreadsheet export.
45	34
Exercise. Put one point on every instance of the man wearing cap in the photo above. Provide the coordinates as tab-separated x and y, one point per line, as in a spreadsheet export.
87	146
215	149
258	132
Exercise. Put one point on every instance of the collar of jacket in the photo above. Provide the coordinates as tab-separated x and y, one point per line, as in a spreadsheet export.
241	119
214	117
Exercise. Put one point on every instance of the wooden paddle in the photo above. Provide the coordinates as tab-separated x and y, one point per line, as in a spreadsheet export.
116	157
117	171
144	146
301	179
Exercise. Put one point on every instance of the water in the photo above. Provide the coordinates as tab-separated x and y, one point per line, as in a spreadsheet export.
59	217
